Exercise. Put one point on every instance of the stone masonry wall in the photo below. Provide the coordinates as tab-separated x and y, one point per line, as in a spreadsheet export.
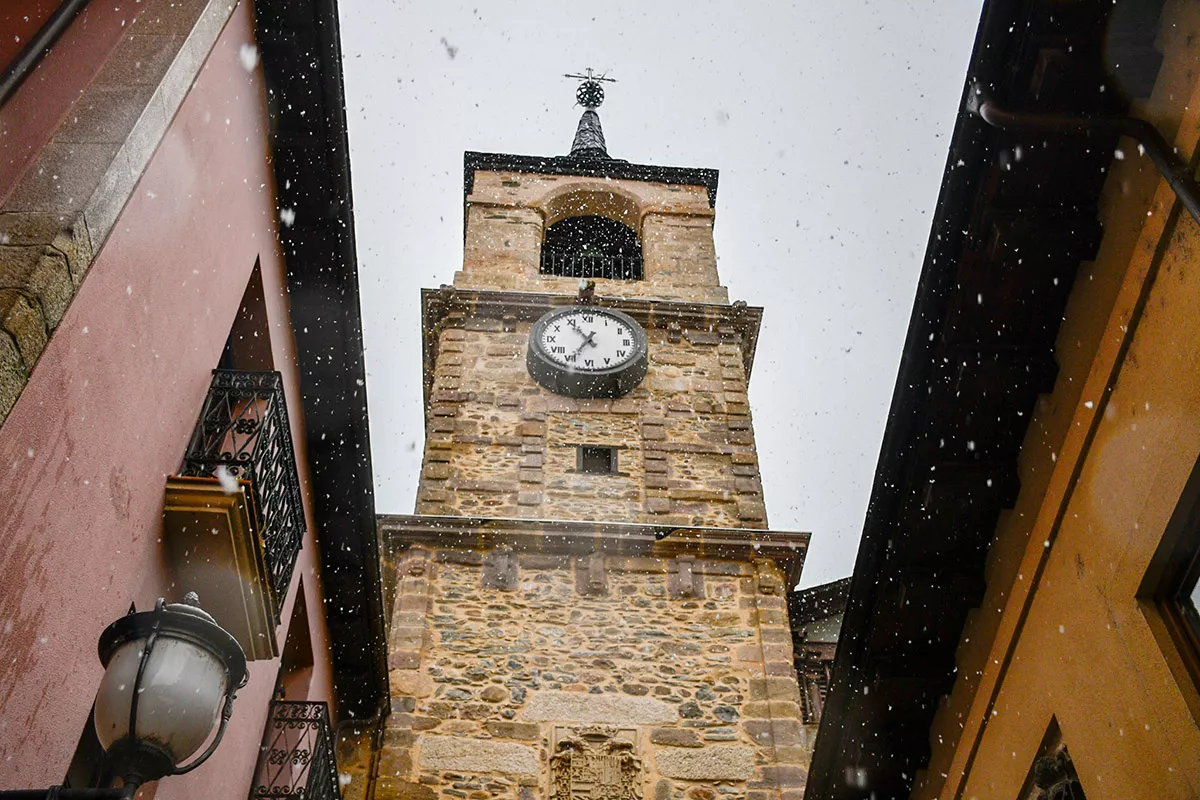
493	653
499	445
508	213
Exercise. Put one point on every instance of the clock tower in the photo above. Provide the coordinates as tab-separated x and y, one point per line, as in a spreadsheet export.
588	602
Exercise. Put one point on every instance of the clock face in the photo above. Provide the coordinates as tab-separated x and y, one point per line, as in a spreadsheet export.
588	339
587	351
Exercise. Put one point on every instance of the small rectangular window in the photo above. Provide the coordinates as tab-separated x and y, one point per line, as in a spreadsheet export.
596	460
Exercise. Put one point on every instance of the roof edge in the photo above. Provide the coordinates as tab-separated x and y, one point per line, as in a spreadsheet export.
601	168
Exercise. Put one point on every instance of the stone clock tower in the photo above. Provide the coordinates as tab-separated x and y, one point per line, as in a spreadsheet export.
588	603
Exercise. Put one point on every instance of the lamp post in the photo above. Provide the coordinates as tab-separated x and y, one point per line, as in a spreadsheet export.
169	675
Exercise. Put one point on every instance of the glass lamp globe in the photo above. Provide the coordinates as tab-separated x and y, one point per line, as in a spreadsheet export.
180	669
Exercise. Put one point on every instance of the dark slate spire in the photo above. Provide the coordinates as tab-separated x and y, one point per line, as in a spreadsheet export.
589	138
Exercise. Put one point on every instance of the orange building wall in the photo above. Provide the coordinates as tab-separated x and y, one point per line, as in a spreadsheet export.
1061	633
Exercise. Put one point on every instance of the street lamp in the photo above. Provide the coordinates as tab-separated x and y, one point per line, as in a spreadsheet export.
169	675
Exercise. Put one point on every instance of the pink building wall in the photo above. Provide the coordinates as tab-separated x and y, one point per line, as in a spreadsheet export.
106	417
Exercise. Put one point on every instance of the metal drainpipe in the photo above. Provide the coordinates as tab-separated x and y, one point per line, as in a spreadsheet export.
1153	144
16	72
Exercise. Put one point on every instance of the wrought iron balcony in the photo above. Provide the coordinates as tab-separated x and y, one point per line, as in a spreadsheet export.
297	758
591	265
243	434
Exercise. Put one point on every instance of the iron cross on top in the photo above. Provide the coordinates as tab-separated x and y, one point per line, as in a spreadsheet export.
590	93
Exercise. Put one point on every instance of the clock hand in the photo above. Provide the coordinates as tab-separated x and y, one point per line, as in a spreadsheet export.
587	341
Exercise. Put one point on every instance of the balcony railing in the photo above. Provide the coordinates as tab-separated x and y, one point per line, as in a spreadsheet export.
243	434
297	758
585	265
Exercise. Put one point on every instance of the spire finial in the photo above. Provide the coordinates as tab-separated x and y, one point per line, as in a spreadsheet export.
590	93
589	137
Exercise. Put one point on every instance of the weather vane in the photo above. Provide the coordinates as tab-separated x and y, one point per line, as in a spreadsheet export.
590	93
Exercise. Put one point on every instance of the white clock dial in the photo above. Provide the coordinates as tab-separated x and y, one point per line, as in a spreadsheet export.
588	340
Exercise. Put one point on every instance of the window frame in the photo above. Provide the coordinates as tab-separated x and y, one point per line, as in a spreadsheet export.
613	459
1173	570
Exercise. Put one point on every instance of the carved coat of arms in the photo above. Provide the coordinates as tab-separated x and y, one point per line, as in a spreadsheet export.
595	763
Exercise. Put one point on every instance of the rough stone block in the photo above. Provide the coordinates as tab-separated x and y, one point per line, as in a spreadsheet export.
787	731
654	432
775	635
683	579
12	374
780	668
777	776
499	570
772	709
796	753
466	754
676	737
414	583
404	659
24	321
658	505
774	689
591	575
529	498
752	510
514	730
438	471
547	705
770	616
713	763
494	694
407	638
389	788
407	682
775	732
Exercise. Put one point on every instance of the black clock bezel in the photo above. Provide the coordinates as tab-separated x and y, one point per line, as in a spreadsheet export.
611	382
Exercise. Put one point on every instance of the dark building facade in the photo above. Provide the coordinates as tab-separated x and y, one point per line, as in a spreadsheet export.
1022	617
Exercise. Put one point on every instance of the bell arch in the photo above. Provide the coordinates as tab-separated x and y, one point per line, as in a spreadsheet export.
592	232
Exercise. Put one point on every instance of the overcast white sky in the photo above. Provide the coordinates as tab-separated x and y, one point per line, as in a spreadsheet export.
829	123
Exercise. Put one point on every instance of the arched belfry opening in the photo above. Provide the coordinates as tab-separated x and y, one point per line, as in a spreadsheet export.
592	246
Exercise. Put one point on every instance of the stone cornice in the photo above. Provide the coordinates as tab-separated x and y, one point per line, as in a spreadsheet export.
606	168
736	323
580	537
